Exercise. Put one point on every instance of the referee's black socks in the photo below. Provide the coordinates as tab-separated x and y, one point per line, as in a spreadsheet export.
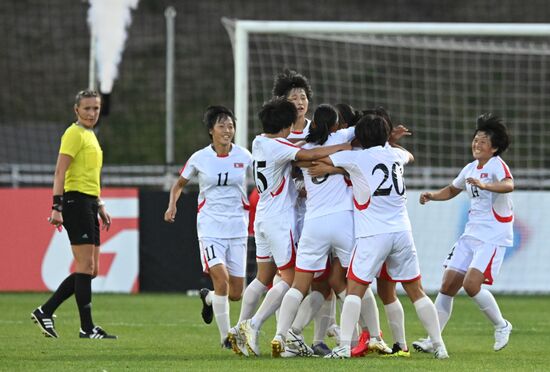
83	294
64	291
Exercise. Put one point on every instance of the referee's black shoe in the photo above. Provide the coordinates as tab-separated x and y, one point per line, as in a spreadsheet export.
45	322
97	333
207	312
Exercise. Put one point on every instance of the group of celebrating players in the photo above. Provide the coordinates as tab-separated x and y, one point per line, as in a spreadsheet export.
330	219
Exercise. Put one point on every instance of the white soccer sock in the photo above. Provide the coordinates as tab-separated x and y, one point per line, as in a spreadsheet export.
488	305
208	298
349	318
322	319
369	313
396	320
252	295
220	305
427	314
444	306
342	296
287	311
332	309
271	303
308	309
276	279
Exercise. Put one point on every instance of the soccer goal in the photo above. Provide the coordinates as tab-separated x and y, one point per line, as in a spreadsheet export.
436	78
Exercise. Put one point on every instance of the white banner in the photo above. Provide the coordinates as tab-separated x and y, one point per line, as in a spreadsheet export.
437	225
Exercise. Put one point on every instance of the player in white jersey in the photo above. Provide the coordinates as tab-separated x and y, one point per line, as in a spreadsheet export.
476	257
274	223
382	229
385	286
297	89
328	233
222	214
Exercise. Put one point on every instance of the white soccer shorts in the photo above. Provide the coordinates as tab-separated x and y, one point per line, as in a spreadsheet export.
275	240
396	251
469	252
331	233
229	252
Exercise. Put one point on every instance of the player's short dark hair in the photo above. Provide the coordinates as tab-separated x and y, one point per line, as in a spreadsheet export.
495	129
372	130
276	114
380	111
324	118
214	114
86	93
347	114
288	80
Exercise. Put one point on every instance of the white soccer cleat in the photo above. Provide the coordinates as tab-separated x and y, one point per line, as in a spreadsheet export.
339	352
502	334
277	346
295	343
379	346
334	331
251	337
441	352
238	344
423	345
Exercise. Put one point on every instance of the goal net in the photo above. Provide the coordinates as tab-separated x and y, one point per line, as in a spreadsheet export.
434	78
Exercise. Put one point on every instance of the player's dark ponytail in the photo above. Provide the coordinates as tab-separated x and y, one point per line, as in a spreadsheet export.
325	118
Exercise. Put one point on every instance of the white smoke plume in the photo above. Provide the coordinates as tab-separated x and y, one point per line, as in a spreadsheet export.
109	20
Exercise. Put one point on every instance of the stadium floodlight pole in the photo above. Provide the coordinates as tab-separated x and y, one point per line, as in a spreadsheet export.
170	14
240	29
92	62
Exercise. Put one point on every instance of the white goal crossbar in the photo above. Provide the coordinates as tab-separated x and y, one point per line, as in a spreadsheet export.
241	29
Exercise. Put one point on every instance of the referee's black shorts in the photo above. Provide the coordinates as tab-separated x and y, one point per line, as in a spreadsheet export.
80	218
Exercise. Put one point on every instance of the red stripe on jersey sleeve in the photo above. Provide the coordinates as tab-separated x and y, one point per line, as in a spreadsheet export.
287	143
507	173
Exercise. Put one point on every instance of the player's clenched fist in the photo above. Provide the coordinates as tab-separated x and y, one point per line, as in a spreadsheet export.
425	197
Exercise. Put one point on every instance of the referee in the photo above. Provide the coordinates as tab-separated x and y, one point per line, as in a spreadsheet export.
76	205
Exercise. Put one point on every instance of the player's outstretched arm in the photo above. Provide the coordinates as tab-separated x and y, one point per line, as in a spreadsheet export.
446	193
319	169
321	152
175	192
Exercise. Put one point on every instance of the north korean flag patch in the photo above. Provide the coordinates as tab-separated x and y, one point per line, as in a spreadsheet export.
484	175
238	165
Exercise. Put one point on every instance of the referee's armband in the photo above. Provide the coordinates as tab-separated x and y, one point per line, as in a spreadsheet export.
57	203
100	203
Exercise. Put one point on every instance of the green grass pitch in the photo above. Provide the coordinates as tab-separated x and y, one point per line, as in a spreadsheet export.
165	332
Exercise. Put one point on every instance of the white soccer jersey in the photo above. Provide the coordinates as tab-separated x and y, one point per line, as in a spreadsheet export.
222	203
300	135
491	215
379	192
272	157
331	193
